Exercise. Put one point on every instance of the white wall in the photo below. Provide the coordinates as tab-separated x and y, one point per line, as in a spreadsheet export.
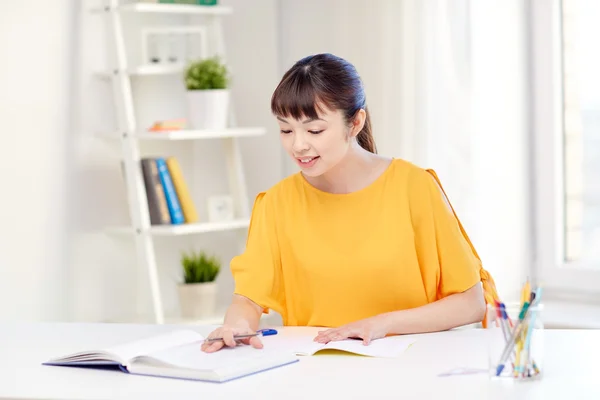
56	261
35	42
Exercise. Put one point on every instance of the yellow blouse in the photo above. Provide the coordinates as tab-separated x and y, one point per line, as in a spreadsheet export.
323	259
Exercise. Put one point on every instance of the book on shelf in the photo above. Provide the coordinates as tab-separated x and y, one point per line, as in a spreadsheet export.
181	188
155	194
170	193
167	193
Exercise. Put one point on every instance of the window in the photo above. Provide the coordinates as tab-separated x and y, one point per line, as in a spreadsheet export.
565	98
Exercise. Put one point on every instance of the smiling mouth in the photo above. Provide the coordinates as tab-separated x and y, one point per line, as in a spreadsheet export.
306	160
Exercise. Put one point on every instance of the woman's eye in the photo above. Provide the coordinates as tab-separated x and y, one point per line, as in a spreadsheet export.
283	131
316	132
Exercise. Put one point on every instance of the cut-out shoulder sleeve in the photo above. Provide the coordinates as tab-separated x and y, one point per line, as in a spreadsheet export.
257	271
446	254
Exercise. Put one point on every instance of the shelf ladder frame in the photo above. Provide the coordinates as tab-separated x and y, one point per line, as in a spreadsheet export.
127	125
136	191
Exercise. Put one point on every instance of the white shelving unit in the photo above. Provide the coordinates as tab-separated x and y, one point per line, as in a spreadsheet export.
185	229
190	134
129	135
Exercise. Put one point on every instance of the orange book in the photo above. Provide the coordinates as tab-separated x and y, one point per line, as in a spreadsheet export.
185	199
168	125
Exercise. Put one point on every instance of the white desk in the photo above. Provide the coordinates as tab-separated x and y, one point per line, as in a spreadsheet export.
572	370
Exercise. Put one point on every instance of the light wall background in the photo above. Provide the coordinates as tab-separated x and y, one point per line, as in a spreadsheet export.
446	85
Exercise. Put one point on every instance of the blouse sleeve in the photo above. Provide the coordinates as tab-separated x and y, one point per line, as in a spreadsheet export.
447	258
257	271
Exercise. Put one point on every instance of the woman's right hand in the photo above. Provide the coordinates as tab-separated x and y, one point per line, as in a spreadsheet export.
227	332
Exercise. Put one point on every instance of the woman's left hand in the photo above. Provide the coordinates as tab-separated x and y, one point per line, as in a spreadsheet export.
366	329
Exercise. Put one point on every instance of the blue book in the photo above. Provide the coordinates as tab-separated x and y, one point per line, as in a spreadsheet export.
173	204
177	354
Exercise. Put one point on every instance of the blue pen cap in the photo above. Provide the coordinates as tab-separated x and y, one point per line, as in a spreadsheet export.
267	332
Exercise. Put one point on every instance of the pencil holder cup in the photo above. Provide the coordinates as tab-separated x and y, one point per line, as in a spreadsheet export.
515	341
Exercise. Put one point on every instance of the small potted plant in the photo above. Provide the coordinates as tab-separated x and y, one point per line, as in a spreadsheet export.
198	291
207	84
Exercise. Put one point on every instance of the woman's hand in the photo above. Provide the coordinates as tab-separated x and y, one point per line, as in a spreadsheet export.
227	332
366	329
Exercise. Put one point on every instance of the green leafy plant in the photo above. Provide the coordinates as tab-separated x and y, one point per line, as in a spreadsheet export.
199	267
205	74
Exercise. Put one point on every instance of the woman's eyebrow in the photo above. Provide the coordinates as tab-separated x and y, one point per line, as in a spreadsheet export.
305	121
313	119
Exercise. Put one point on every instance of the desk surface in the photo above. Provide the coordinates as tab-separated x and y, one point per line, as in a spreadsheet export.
571	357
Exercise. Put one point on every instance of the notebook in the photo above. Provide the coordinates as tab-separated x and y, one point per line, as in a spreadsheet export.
178	354
299	341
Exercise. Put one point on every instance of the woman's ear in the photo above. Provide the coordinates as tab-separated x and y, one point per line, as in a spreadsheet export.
358	122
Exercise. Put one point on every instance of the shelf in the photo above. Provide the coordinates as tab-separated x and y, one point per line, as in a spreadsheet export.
191	134
187	229
170	9
157	69
148	70
175	9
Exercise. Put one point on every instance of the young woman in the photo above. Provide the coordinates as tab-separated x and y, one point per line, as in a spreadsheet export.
360	244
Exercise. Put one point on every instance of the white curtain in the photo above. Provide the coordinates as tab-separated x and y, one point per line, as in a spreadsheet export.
445	82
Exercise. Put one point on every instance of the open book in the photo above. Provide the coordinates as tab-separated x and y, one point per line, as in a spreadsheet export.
178	354
299	341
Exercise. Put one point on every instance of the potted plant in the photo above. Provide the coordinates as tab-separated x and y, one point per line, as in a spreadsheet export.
198	291
207	82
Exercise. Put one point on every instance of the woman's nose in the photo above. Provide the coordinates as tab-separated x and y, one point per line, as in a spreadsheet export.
300	143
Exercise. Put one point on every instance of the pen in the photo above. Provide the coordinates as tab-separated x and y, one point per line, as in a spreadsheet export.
525	297
502	318
261	332
537	295
508	349
505	327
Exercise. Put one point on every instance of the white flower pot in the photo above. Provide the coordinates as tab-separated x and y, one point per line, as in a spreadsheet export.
208	109
197	300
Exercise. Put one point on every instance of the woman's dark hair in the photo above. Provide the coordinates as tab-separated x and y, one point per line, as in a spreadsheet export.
326	79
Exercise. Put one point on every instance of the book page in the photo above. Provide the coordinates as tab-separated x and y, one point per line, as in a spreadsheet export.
294	340
155	343
299	345
300	341
191	356
388	347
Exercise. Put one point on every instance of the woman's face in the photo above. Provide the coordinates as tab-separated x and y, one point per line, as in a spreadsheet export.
316	145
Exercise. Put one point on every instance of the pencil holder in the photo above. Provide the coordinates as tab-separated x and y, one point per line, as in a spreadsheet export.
515	340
